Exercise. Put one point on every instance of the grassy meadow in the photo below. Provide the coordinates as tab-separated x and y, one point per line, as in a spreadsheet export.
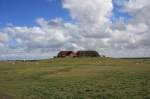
75	78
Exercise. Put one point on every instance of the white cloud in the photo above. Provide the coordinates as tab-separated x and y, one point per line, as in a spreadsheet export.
95	11
139	28
36	37
91	15
3	37
133	5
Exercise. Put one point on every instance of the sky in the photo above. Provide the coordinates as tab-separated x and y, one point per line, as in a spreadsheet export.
39	29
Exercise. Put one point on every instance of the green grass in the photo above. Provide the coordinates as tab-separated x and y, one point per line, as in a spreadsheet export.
76	78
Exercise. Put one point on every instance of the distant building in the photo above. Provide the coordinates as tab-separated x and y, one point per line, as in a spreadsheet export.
87	54
63	54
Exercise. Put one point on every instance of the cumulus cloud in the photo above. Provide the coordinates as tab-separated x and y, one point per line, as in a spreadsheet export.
95	11
47	35
133	5
3	37
92	16
132	37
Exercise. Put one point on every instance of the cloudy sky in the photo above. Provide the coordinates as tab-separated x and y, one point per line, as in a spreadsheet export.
36	29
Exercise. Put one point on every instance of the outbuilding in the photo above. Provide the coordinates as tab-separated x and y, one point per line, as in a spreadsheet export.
62	54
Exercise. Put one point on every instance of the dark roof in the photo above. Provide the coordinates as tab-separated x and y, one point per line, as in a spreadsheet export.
87	53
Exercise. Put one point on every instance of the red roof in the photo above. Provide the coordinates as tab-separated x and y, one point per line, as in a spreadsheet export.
65	53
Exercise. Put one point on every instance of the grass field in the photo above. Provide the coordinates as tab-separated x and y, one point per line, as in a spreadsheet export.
76	78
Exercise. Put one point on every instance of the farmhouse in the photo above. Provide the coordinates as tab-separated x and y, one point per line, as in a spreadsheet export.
62	54
87	54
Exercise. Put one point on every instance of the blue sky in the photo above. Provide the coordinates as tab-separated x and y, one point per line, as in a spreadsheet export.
24	12
118	12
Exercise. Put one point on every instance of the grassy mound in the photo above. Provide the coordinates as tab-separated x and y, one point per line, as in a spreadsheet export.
76	78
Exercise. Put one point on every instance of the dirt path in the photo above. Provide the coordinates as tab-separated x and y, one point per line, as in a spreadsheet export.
5	96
